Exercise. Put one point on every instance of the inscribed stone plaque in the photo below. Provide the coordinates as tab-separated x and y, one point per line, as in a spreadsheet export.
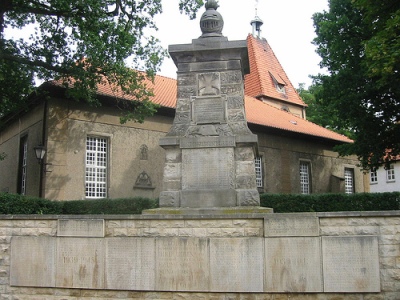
293	265
81	228
182	264
208	110
130	263
236	265
80	263
209	168
291	226
208	142
33	261
351	264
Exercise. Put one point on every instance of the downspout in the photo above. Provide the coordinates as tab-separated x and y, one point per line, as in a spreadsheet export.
43	142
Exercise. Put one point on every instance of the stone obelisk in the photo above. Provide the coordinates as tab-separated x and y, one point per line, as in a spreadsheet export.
209	149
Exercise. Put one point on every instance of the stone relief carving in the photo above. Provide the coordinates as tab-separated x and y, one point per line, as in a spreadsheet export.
144	152
209	84
231	77
143	181
235	102
186	92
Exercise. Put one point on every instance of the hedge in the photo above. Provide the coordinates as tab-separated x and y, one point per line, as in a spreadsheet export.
288	203
22	205
17	204
281	203
108	206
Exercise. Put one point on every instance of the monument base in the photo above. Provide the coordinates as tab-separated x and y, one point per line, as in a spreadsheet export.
243	211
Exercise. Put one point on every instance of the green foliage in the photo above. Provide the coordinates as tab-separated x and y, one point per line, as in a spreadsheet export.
81	44
17	204
290	203
359	45
321	112
108	206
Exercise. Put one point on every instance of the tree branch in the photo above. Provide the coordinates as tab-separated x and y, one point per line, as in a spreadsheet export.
35	63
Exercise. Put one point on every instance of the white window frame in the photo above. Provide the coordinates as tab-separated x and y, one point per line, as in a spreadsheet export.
259	172
96	167
24	156
373	177
390	175
305	177
349	187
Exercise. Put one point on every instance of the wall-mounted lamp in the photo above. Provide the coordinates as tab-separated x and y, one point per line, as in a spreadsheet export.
40	152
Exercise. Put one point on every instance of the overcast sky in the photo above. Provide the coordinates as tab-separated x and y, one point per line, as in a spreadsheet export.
288	28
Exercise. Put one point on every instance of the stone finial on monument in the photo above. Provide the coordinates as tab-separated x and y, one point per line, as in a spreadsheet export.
209	149
211	22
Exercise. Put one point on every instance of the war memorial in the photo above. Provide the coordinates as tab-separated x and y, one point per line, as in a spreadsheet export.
209	239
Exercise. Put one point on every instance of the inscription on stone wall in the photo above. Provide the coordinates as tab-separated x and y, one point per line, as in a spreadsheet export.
33	261
293	265
130	263
351	264
80	262
208	110
207	142
207	168
182	264
83	228
291	226
236	265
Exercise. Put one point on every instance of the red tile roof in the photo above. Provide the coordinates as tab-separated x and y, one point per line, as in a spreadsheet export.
257	112
263	66
260	113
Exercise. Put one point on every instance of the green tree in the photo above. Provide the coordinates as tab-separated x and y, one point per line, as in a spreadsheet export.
320	112
81	43
358	41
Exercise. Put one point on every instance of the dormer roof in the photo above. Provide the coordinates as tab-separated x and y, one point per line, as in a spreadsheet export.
266	73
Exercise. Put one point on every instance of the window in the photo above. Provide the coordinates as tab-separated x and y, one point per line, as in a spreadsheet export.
390	174
96	167
278	82
373	176
305	182
259	176
349	181
23	153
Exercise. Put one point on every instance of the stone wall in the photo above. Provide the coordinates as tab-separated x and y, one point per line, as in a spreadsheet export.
321	256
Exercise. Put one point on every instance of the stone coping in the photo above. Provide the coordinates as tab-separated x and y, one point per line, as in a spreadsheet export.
392	213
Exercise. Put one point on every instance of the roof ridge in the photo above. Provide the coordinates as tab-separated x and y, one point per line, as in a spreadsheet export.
299	120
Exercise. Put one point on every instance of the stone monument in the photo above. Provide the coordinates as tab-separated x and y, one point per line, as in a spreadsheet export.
209	149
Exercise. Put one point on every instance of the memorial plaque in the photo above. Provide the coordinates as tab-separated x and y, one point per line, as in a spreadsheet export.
207	142
130	263
80	228
236	265
293	265
208	168
276	226
351	264
209	109
182	264
33	261
80	263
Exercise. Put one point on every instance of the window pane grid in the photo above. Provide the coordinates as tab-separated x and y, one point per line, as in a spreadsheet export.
258	166
349	181
374	177
96	168
390	174
23	173
304	178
